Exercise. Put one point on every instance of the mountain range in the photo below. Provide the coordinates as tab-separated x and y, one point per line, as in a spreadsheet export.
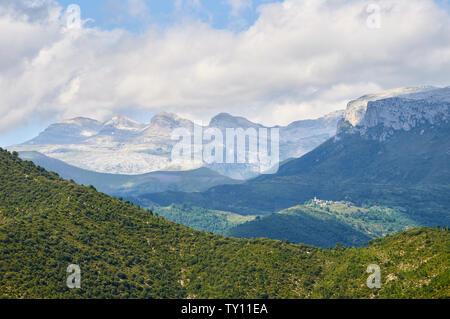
196	180
392	149
123	146
48	223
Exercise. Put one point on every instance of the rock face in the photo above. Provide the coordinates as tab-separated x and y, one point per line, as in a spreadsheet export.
379	118
225	120
123	146
70	131
356	109
119	122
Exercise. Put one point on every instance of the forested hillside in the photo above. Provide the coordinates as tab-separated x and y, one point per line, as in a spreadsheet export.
214	221
325	225
318	222
47	223
409	170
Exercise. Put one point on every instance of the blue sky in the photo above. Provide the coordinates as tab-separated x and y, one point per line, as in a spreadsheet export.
109	14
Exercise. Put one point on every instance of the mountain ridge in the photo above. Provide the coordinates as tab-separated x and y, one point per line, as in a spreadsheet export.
357	108
409	169
403	112
124	146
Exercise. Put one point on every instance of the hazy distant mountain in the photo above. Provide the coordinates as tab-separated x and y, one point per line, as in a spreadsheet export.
117	146
132	185
71	131
123	146
225	120
396	154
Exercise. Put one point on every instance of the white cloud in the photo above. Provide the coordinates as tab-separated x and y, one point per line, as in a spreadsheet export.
239	5
136	7
302	58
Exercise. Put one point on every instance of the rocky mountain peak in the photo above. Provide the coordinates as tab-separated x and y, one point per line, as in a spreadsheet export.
123	146
356	109
67	131
121	122
166	120
401	109
81	121
226	120
165	117
334	115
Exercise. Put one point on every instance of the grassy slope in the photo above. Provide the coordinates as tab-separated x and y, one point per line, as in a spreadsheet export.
47	223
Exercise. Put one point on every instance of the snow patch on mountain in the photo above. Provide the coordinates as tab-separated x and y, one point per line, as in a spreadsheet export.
123	146
123	123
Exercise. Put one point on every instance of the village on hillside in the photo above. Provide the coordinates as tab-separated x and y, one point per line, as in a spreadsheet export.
324	203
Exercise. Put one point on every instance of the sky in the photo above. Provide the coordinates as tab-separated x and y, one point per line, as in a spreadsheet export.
273	62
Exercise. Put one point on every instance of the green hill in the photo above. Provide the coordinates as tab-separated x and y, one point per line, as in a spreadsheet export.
131	185
409	261
47	223
326	226
411	170
214	221
322	223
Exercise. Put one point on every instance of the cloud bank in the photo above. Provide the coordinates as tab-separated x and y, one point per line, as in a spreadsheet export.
300	59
